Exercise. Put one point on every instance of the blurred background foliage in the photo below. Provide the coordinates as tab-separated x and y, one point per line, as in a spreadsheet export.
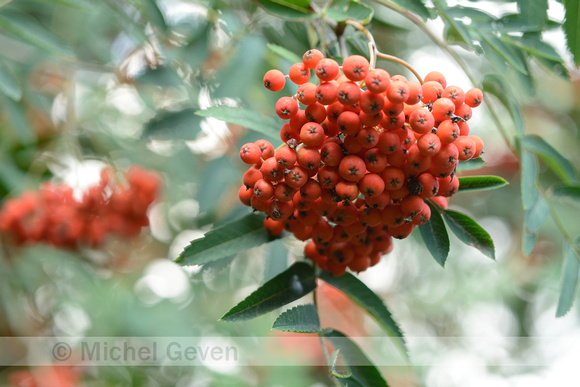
118	82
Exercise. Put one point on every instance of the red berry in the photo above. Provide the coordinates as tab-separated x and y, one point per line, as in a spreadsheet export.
355	67
306	93
371	185
377	81
311	58
348	93
286	107
352	168
299	73
274	80
398	92
327	69
250	153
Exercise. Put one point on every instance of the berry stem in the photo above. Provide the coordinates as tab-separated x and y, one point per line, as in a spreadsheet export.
374	52
372	45
402	62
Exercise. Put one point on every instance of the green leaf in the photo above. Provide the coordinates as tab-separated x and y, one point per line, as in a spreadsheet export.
572	28
4	2
529	242
452	36
480	183
9	85
457	30
301	318
494	84
11	176
226	240
530	171
534	45
471	164
294	283
508	53
18	120
152	13
342	10
572	191
435	236
556	67
284	53
85	5
476	15
247	118
533	11
160	76
514	23
31	31
287	9
536	216
364	297
534	219
558	163
362	370
181	124
569	281
415	6
469	232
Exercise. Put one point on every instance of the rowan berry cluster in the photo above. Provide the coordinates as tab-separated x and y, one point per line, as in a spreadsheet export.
363	151
53	215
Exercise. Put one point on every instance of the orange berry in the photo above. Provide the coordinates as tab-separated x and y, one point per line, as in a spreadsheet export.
466	148
473	97
398	92
422	121
448	132
415	93
432	91
436	76
443	109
